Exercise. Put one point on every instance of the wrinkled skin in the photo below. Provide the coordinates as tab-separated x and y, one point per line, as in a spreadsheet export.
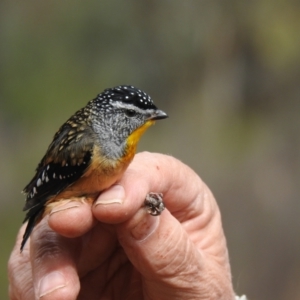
116	250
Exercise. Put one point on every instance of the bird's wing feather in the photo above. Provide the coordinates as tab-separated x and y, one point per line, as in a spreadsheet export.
67	157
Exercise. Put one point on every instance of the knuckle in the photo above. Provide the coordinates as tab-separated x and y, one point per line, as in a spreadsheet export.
46	243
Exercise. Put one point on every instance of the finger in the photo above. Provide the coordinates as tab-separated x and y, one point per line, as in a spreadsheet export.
112	206
185	195
53	264
71	218
19	271
151	173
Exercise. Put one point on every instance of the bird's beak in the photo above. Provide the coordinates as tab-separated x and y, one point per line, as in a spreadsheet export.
158	115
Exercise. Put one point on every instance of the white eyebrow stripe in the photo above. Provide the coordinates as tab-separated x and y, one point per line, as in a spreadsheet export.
122	105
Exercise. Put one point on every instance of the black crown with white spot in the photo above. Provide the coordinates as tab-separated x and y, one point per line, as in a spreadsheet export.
127	94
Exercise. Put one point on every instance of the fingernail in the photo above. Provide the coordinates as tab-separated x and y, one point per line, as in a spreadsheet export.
50	283
145	225
115	194
63	207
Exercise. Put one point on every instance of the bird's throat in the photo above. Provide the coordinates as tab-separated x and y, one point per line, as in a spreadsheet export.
134	138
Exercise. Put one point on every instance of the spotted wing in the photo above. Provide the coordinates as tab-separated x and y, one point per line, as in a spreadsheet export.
67	157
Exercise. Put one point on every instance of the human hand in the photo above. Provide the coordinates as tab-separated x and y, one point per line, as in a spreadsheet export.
116	250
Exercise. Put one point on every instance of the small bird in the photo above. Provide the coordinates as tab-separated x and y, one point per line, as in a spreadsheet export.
91	151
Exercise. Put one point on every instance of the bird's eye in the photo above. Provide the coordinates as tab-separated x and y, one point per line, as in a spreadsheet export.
130	112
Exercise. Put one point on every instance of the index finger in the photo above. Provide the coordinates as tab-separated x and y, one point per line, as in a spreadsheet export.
185	196
183	191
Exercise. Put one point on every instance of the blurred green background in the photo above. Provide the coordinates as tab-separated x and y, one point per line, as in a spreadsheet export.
228	74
